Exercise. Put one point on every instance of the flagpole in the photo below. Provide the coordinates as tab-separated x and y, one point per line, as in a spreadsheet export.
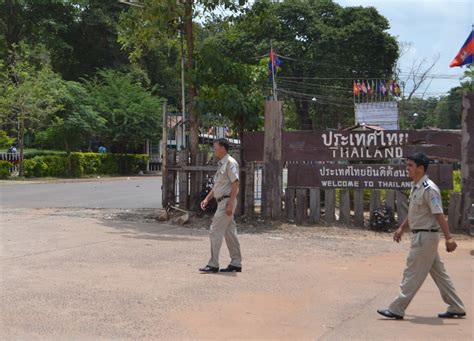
272	60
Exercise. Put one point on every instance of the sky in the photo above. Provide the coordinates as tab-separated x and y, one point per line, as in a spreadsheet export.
432	27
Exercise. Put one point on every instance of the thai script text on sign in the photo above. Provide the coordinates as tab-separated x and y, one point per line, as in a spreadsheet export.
362	176
358	145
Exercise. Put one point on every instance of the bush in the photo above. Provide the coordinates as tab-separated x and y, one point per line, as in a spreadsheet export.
5	169
57	165
447	192
5	140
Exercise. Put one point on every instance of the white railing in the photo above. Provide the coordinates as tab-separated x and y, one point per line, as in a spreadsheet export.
12	157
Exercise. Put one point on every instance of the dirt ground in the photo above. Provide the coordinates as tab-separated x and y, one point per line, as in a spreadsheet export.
121	274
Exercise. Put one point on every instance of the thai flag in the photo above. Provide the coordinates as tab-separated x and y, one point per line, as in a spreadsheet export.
464	55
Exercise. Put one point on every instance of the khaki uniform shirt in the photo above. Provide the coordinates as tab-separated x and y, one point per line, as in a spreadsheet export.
227	173
425	202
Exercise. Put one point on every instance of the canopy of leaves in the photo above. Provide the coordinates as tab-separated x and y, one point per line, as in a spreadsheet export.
75	122
132	114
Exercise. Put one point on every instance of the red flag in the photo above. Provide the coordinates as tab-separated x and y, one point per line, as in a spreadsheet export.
356	89
466	54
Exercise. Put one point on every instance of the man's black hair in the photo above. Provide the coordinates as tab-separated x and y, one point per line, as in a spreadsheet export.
223	143
420	159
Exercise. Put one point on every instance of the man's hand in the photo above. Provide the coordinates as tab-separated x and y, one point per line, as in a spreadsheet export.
451	246
229	208
397	236
204	204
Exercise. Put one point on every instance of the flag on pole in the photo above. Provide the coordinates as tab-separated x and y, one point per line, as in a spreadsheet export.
356	89
364	88
398	91
465	54
383	88
392	87
273	64
369	89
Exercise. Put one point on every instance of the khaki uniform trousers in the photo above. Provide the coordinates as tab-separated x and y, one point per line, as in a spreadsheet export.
423	258
223	226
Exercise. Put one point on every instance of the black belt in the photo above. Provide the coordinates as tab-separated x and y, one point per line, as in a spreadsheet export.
416	231
223	197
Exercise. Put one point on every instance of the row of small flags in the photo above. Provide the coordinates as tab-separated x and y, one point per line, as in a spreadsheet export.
227	131
381	87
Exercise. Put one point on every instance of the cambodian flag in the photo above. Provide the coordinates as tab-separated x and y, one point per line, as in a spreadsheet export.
464	55
273	64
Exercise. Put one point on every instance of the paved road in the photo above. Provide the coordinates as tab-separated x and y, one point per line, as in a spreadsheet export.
133	192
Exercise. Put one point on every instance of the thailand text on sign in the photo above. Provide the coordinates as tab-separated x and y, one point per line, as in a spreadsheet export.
361	145
362	176
358	145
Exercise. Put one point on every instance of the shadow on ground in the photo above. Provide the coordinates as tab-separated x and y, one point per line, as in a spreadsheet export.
152	231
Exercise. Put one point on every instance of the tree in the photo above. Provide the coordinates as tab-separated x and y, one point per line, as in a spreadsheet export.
5	140
25	95
131	113
417	76
79	35
75	122
449	109
323	47
229	88
156	19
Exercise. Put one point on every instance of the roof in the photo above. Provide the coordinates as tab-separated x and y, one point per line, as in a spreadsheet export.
363	126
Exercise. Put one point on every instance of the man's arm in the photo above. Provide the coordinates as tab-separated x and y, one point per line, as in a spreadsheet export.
450	243
433	198
233	196
210	195
204	203
404	227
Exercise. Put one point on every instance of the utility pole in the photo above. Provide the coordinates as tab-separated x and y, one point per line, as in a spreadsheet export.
183	98
273	63
164	156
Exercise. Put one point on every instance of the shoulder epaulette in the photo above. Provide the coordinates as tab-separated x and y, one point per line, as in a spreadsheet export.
426	185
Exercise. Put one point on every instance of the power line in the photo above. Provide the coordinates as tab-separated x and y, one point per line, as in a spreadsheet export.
333	65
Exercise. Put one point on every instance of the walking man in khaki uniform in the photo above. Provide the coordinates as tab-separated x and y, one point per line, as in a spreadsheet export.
225	189
425	217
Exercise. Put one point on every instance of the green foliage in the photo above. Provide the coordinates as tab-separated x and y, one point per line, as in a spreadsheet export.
5	140
445	194
457	181
75	121
449	109
27	89
131	113
84	164
80	35
36	167
320	39
5	169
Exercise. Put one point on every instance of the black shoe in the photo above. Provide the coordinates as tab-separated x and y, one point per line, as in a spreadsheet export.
209	269
389	314
448	315
232	268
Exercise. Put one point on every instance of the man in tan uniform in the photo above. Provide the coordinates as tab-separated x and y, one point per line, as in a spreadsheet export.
225	189
425	217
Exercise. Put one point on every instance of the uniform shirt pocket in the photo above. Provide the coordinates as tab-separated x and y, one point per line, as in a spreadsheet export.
418	203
